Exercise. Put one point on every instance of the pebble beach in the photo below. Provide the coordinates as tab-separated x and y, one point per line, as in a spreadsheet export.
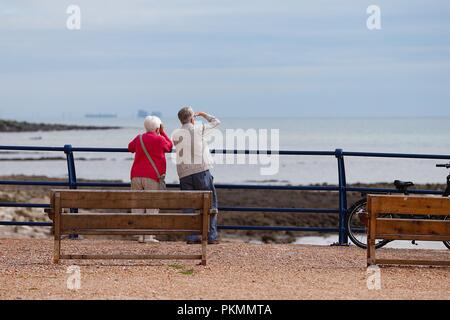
234	270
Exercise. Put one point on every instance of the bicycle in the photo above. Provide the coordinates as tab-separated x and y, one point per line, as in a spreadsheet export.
357	217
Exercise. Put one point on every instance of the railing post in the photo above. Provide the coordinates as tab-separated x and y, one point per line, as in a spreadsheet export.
343	237
72	177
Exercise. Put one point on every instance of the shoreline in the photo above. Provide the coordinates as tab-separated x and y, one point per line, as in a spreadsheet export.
24	126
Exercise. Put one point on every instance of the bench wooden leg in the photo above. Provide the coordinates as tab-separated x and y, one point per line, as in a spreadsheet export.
370	252
57	249
57	228
371	234
205	225
204	242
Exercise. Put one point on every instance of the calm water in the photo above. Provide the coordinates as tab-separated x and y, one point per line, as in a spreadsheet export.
399	244
428	135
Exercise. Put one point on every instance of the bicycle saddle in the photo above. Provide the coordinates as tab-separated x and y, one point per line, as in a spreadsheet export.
403	185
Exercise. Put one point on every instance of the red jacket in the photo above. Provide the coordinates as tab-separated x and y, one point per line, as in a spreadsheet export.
157	146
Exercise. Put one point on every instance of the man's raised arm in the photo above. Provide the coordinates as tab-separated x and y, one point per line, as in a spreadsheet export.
212	123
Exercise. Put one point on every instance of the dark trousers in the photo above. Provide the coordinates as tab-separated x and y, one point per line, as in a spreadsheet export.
203	181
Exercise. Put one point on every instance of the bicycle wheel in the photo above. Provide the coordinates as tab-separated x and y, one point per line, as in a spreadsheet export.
357	224
447	243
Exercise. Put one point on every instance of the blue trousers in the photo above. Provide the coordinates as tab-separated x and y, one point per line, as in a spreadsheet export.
202	181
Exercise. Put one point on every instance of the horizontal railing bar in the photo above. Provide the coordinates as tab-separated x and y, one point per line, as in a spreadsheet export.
275	187
34	183
31	148
278	228
92	149
395	155
292	210
24	205
385	190
279	152
26	223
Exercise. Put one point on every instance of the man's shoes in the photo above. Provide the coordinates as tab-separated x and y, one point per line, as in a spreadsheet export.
147	239
72	237
213	241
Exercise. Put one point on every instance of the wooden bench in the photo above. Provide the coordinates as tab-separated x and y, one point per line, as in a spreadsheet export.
126	223
407	228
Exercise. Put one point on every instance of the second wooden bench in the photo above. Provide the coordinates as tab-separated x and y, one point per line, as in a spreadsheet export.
400	217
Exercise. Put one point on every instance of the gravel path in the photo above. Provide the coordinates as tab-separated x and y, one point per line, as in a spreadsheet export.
234	271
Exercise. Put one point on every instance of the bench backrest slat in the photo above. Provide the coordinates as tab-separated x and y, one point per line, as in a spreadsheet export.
124	199
399	204
73	222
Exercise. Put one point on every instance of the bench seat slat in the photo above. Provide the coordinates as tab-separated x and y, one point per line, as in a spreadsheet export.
433	229
418	237
125	232
131	256
413	262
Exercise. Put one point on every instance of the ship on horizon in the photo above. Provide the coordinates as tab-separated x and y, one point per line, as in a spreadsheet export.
100	115
144	113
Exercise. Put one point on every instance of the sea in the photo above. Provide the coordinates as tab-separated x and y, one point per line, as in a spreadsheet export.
399	135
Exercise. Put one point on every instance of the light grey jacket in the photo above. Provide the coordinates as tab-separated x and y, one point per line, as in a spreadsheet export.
192	151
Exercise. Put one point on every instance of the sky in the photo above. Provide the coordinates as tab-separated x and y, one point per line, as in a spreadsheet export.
237	58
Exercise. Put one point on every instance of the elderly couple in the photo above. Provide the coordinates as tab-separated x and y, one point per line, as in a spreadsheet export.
149	166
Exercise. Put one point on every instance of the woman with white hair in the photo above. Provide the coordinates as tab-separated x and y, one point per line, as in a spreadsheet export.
149	166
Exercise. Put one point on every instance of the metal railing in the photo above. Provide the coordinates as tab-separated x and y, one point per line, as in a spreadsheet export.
341	188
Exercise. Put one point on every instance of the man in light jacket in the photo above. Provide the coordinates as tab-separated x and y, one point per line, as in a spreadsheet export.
194	161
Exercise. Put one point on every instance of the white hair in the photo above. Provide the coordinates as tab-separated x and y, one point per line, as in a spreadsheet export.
151	123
